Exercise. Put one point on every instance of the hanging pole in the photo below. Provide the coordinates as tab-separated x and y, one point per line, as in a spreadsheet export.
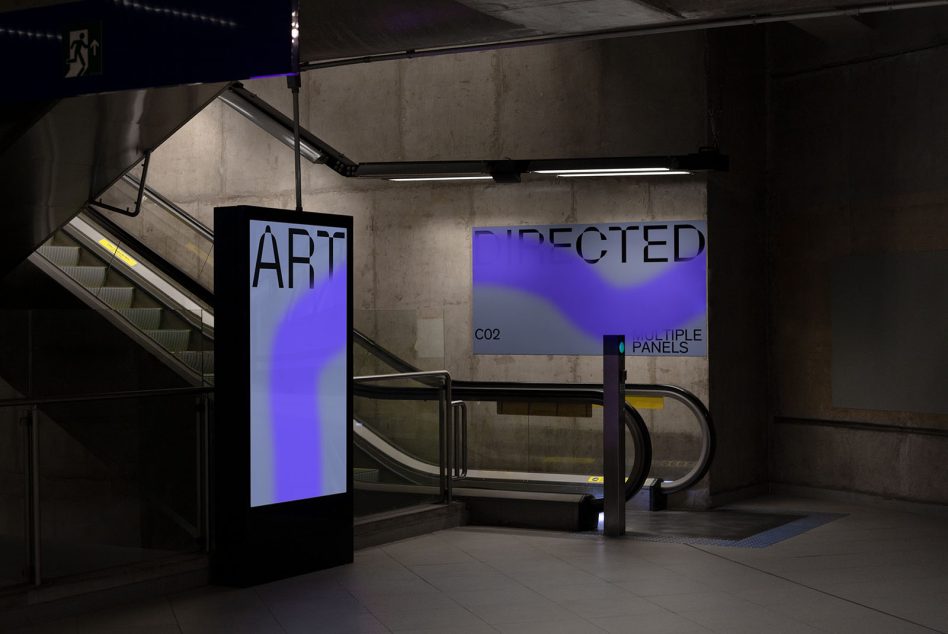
293	81
33	484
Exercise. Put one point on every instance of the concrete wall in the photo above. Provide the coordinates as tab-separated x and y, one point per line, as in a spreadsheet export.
412	243
858	166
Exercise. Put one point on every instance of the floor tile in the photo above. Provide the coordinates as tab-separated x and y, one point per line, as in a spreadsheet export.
870	571
521	612
445	617
653	623
573	626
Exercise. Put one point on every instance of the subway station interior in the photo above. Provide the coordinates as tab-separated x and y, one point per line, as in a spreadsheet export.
616	316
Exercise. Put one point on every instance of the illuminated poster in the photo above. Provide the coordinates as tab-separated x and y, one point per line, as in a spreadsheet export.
556	289
298	361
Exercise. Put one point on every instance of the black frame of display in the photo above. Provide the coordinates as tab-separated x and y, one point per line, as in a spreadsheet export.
252	545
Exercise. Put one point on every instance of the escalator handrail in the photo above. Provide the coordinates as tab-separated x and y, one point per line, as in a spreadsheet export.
485	391
154	259
384	354
692	402
173	209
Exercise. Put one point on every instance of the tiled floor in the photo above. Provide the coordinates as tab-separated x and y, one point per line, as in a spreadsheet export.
869	571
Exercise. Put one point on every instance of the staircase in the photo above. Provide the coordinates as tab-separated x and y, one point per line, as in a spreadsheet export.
115	285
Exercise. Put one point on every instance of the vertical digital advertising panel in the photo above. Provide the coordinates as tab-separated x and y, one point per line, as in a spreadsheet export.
557	289
298	372
282	443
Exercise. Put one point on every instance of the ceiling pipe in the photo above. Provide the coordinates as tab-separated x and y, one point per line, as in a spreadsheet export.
684	25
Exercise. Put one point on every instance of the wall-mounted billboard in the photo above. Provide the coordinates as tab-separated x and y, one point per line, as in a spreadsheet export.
556	289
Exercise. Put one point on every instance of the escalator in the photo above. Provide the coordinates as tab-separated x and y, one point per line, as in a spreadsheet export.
56	156
157	300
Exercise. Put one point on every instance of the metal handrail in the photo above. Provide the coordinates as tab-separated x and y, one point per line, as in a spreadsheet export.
33	499
153	258
692	402
701	414
104	396
460	440
172	208
551	392
445	417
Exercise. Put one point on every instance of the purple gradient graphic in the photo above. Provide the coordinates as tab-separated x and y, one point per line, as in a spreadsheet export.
310	336
674	297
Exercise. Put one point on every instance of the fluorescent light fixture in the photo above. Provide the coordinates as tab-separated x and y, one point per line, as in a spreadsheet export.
442	178
603	171
269	124
597	174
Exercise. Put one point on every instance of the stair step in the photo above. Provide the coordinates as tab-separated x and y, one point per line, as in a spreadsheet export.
365	474
143	318
116	296
169	339
199	360
60	255
89	276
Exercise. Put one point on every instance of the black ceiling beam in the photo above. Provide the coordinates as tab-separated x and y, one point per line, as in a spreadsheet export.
502	171
510	170
328	154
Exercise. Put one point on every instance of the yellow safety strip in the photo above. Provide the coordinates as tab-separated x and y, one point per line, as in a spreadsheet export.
117	252
598	479
646	402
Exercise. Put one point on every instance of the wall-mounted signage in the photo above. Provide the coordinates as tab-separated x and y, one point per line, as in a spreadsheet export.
94	46
557	289
283	439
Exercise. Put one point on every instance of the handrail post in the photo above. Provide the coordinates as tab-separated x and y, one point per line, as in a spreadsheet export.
460	439
206	468
445	418
442	468
449	424
464	450
201	466
33	488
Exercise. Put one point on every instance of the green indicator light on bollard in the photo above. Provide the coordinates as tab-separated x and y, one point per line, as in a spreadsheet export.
621	347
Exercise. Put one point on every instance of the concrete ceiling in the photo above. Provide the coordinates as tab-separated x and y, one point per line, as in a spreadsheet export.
338	30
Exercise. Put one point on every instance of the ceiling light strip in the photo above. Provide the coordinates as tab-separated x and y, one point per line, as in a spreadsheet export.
604	170
442	178
598	174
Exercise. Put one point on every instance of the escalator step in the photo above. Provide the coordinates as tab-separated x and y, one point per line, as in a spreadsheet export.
143	318
173	340
199	360
88	276
60	255
365	474
116	296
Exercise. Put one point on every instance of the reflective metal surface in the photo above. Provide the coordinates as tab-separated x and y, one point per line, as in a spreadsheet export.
75	151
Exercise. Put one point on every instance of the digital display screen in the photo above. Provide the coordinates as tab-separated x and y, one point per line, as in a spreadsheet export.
298	361
557	289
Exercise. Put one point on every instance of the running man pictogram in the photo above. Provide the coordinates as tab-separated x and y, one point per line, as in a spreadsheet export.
84	55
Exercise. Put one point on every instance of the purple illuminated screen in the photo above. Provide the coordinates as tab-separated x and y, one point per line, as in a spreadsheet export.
298	362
